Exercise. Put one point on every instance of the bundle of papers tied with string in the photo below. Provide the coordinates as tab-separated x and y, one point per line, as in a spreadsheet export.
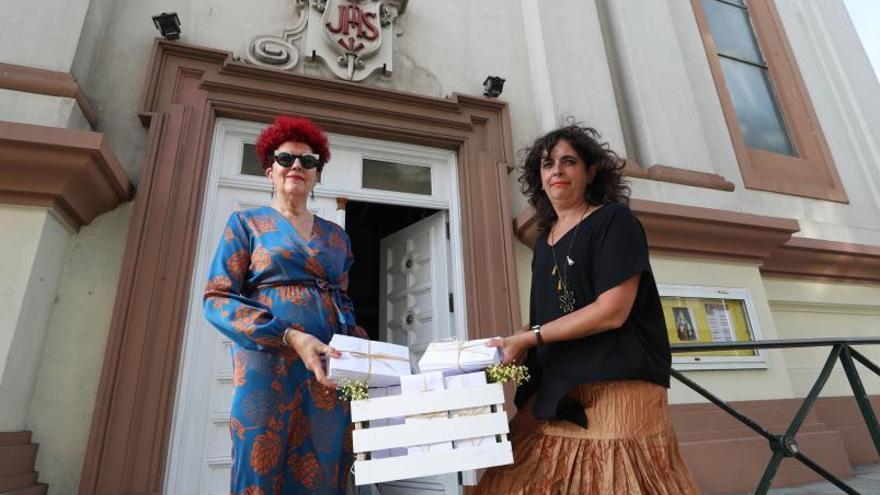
455	357
380	364
410	388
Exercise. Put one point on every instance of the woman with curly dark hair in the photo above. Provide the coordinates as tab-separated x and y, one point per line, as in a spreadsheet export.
593	419
277	289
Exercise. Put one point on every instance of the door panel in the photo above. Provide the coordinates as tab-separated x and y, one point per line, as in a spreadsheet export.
414	311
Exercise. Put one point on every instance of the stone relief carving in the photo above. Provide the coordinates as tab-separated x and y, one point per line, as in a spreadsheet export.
353	38
280	51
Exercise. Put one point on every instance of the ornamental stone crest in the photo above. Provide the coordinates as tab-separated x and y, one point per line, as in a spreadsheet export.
353	38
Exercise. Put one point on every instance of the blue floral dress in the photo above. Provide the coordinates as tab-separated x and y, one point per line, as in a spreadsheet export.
290	434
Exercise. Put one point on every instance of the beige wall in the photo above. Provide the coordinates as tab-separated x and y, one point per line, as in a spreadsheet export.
670	112
811	309
441	48
70	365
31	260
42	34
51	111
730	385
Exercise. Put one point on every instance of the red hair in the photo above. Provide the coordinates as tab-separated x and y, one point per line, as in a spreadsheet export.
287	128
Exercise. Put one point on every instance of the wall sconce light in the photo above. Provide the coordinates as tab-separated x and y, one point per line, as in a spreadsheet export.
492	86
168	24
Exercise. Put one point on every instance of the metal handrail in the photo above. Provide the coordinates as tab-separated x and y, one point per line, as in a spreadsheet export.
785	444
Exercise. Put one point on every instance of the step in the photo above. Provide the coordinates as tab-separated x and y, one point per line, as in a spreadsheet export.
41	489
8	438
17	459
18	481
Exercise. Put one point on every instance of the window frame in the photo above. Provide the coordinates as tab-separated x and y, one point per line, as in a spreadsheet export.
707	361
812	172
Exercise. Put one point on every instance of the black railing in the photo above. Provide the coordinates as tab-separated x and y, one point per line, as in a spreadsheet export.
785	445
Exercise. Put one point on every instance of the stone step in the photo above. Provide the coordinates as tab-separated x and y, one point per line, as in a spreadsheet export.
17	482
41	489
17	459
8	438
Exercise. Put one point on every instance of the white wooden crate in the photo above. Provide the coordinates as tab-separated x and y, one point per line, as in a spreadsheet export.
367	471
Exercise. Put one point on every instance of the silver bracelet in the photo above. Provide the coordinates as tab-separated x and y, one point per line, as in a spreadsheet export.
536	329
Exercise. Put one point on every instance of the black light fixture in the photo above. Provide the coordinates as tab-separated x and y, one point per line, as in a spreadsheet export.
168	24
492	86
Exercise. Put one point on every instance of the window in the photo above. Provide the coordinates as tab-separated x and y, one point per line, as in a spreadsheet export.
774	129
711	315
250	165
398	177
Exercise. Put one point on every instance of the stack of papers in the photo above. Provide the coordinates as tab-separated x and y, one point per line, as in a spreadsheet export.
457	357
464	381
380	364
410	387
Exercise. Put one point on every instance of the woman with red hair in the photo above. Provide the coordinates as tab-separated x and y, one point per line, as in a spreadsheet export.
277	289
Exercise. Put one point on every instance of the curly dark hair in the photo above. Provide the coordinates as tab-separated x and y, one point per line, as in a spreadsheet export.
609	186
289	128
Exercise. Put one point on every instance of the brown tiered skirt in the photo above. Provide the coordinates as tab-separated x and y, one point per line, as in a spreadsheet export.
628	449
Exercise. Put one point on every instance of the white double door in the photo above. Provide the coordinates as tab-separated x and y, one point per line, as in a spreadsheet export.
419	275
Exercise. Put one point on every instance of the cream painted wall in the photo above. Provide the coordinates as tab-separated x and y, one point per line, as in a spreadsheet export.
671	113
30	265
441	48
587	95
17	261
811	309
730	385
56	35
653	87
835	71
52	111
41	34
64	396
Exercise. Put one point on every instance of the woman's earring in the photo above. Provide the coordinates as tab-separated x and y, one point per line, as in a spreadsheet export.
273	190
312	194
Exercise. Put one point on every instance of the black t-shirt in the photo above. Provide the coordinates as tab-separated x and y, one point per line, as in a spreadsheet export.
608	248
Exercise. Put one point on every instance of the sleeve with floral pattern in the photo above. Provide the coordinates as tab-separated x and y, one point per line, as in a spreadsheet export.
245	321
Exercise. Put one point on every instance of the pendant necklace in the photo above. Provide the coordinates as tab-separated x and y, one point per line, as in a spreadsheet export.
565	295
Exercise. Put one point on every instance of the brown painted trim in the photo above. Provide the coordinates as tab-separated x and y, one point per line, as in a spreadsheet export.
690	230
74	172
677	175
812	173
47	82
17	457
726	457
14	438
187	88
828	260
704	232
695	231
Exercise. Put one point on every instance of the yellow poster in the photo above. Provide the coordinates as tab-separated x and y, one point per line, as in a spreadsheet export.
699	319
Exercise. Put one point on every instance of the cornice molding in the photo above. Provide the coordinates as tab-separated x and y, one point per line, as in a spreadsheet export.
680	230
46	82
694	231
816	258
71	171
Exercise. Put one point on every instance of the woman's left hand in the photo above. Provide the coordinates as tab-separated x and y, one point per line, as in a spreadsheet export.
513	348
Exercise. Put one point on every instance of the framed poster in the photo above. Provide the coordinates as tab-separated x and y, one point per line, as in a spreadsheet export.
711	314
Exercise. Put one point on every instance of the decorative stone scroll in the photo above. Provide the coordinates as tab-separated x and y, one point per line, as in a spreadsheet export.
353	38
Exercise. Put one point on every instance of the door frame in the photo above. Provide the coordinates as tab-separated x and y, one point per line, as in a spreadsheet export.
187	89
230	136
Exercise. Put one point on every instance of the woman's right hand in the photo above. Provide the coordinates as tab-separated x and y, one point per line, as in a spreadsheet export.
309	350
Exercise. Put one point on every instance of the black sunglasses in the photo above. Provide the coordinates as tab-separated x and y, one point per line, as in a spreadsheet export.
308	161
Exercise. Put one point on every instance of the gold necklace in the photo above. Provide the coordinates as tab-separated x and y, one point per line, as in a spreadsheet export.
566	296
